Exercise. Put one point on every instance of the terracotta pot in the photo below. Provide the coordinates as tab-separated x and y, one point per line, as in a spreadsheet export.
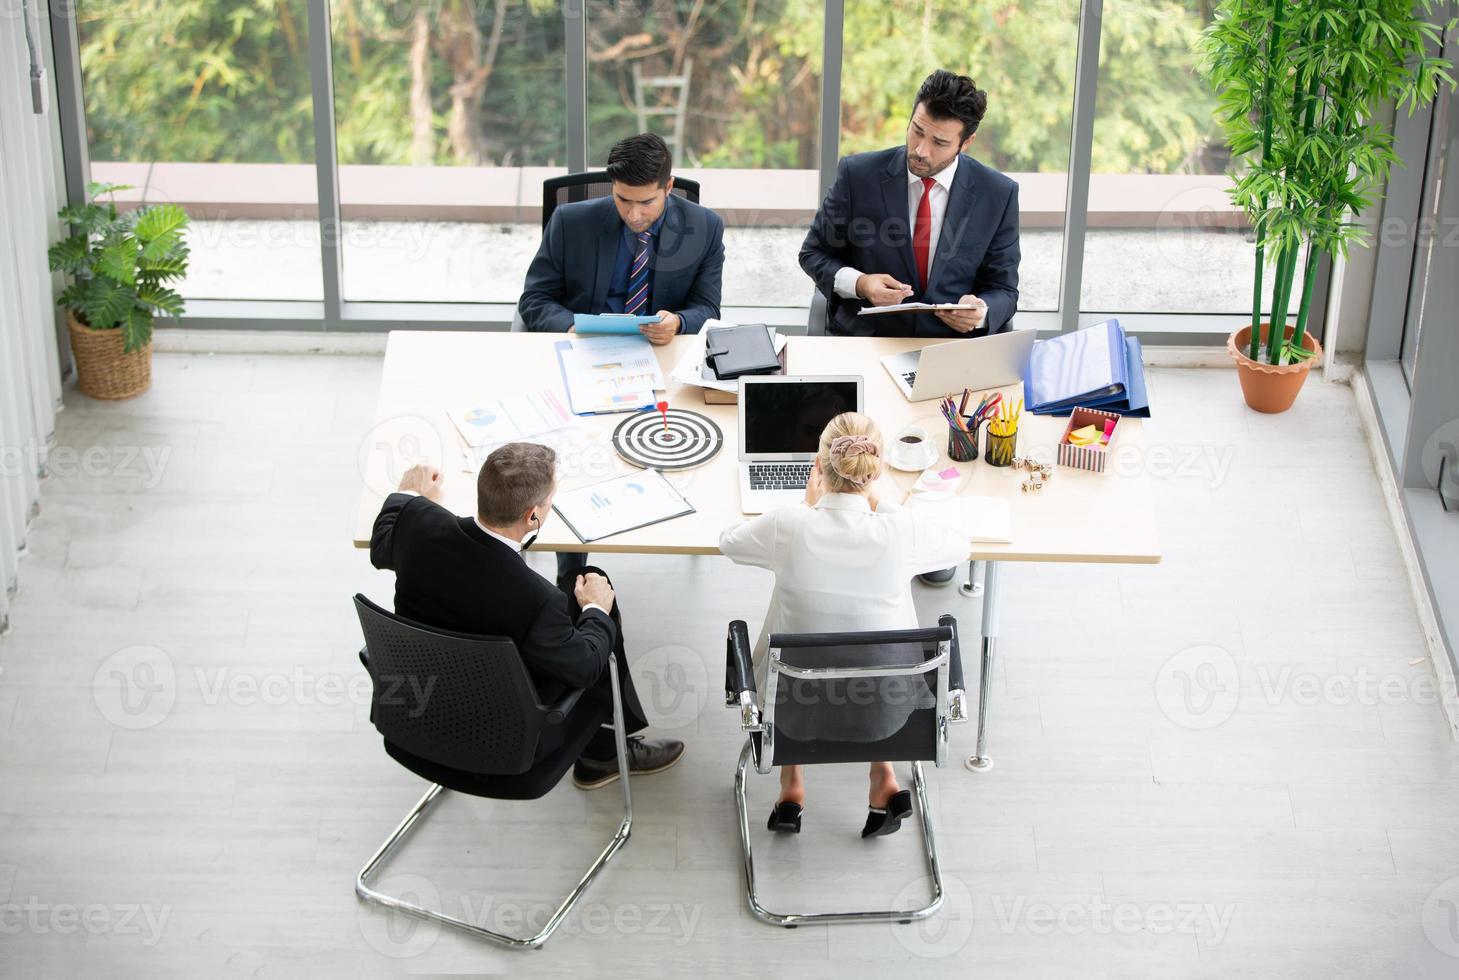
1270	388
104	369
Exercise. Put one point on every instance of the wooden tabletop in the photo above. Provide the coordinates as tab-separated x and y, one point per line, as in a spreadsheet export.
1078	516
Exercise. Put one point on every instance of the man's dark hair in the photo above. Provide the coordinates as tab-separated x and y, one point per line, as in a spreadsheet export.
948	96
640	160
515	477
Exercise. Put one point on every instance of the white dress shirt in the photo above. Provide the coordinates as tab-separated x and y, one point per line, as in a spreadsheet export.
840	565
846	276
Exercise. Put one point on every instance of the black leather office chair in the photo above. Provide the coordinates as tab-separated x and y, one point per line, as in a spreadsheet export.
584	187
462	713
595	183
810	696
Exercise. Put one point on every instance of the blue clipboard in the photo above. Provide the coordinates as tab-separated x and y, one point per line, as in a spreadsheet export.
616	324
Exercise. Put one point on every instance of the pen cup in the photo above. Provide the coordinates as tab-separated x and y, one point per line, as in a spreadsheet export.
1002	445
962	444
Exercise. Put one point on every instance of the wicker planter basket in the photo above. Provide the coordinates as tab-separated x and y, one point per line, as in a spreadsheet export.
103	368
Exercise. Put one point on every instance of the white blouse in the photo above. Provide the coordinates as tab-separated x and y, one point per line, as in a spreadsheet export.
840	565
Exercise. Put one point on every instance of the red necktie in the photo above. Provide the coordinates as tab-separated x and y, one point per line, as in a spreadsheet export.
922	231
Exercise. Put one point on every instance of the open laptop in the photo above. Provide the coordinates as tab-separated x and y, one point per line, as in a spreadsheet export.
781	419
977	363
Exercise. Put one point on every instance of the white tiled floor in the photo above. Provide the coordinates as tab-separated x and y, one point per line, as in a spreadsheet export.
1228	764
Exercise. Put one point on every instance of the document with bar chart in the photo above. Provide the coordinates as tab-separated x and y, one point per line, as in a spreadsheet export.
621	504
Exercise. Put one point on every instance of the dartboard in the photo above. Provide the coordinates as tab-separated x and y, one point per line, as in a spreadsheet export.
688	439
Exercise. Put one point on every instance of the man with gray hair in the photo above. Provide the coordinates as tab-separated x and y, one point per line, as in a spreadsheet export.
467	575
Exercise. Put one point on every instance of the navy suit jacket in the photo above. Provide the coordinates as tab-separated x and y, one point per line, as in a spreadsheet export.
863	223
574	264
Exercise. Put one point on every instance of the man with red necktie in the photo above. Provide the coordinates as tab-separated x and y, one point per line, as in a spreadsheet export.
923	222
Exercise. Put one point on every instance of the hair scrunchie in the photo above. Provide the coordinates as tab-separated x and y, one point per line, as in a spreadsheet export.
849	447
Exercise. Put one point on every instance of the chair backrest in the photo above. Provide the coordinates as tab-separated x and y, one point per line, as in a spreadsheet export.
857	697
466	702
595	183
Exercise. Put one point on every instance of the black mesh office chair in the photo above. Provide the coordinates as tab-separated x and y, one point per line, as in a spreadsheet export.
811	705
462	712
584	187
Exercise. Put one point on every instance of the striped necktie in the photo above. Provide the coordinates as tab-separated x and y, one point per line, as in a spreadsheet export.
638	274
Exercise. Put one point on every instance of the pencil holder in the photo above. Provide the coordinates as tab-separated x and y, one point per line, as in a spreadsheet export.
1002	445
962	444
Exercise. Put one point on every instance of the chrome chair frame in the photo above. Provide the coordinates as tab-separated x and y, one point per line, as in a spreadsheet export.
759	720
366	893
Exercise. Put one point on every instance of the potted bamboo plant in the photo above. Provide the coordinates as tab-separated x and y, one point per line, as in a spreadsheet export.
1298	83
119	266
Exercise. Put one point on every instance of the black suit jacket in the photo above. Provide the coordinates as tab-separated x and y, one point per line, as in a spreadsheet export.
451	574
863	223
574	264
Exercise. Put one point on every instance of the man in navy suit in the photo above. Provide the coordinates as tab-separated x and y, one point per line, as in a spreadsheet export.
923	222
642	251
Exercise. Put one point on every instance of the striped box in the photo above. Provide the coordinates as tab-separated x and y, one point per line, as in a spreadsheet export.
1090	458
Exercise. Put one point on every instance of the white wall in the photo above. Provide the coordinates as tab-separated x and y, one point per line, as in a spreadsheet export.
30	193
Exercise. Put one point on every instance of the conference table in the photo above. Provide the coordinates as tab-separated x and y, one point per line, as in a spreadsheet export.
1078	516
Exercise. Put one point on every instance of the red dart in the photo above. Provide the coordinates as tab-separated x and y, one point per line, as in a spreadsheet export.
664	410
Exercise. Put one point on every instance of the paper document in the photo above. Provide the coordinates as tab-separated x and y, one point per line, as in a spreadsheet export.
509	418
622	504
609	374
920	308
986	519
587	324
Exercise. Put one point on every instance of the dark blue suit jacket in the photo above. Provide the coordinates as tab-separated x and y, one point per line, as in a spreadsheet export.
863	223
574	264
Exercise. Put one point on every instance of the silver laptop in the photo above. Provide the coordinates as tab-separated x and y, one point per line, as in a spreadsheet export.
781	419
977	363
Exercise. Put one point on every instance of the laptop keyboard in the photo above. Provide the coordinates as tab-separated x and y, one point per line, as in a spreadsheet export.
910	377
779	476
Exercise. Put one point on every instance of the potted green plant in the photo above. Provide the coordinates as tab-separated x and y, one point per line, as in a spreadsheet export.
119	266
1299	82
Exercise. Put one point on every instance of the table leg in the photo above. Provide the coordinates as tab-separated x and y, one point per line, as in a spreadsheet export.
980	761
972	588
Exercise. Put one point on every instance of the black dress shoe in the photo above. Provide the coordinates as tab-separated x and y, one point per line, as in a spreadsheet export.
785	818
942	576
644	756
881	821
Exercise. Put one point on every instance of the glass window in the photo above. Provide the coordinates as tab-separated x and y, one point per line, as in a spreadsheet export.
208	106
1163	234
1022	55
735	89
448	116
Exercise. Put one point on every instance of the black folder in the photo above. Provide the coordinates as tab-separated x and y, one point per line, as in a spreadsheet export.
739	350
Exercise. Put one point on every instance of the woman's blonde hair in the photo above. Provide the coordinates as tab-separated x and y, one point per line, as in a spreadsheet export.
850	453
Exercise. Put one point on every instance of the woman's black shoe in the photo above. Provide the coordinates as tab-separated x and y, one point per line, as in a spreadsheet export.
785	818
881	821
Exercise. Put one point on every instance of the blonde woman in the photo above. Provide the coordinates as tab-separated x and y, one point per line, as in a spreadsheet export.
844	561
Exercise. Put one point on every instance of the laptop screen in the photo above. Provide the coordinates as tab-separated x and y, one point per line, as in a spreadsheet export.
788	417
